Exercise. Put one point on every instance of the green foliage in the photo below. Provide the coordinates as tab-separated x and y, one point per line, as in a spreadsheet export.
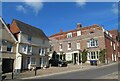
84	55
102	55
69	61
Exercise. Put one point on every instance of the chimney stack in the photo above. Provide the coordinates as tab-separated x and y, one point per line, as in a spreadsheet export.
61	31
79	25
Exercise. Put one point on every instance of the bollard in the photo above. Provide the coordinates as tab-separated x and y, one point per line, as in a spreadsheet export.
12	75
35	71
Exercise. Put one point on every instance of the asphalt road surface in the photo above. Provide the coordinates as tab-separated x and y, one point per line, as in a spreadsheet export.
87	74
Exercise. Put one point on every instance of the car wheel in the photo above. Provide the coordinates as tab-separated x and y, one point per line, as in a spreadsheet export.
60	65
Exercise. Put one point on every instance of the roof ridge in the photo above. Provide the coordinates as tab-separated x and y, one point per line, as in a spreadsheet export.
94	25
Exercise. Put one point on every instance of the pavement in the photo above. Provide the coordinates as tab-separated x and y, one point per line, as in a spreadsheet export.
54	71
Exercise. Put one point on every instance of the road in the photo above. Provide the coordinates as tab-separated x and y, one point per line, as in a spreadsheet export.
87	74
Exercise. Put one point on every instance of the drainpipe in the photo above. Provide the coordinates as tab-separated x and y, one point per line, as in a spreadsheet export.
18	55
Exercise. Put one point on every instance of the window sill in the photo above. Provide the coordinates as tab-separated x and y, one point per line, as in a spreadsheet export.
92	47
69	48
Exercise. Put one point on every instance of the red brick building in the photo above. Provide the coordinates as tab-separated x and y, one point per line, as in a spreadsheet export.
92	38
116	35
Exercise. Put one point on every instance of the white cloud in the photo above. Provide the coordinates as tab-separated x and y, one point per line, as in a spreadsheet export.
115	8
81	3
20	8
34	5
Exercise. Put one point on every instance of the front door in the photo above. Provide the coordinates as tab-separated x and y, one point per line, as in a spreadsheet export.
75	58
7	65
28	61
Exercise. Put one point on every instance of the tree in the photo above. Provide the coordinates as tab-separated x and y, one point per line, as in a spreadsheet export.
84	55
54	55
102	55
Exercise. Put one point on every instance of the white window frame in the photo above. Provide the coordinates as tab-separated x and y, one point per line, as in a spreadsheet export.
97	54
60	46
42	51
78	45
94	54
69	47
78	33
69	35
26	47
11	47
30	49
88	56
92	43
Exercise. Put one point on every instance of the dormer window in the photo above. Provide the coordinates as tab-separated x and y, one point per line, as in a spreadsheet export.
78	33
69	35
29	38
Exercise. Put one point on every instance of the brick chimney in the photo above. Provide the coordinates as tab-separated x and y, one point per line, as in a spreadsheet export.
61	30
95	25
79	25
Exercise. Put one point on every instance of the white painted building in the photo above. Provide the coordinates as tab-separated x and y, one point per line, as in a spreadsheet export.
7	48
31	50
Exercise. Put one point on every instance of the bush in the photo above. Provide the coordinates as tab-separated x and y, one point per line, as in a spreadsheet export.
84	55
69	61
102	55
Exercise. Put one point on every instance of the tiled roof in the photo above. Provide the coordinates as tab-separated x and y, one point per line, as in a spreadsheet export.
83	28
30	30
115	31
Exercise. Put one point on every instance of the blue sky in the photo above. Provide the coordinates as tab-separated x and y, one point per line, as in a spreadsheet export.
53	16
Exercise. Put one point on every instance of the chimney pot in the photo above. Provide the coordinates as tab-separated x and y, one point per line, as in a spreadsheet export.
79	25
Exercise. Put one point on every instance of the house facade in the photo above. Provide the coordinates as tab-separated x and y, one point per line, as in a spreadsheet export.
68	45
116	37
7	48
31	49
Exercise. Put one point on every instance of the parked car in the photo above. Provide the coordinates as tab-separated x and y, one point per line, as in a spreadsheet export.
56	62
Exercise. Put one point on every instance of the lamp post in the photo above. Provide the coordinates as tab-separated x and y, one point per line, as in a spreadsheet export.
80	52
81	60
